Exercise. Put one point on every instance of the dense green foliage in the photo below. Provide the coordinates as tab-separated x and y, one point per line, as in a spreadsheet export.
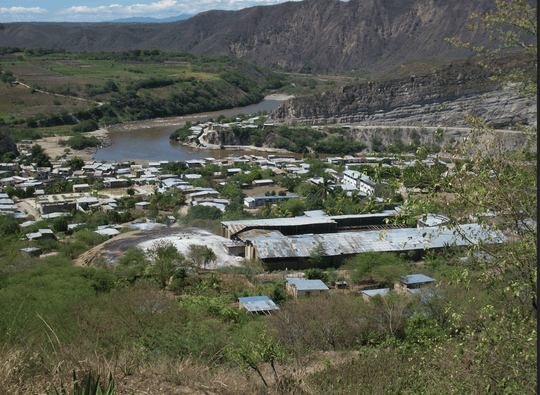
79	142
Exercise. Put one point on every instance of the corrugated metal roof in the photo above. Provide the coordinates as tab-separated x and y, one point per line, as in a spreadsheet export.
258	303
315	213
384	214
273	244
307	285
253	299
373	292
237	226
417	279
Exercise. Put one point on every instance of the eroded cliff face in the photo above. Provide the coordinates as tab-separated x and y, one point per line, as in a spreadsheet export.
442	98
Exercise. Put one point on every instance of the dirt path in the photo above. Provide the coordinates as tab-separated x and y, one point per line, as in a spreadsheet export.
27	207
60	95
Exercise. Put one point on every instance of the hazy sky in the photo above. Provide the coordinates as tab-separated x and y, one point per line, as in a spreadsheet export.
105	10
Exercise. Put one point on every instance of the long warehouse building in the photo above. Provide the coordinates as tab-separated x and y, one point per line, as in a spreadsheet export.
279	251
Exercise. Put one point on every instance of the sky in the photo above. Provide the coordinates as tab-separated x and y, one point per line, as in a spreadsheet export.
106	10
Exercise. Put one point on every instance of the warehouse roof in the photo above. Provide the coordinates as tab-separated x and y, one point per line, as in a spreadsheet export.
273	244
238	226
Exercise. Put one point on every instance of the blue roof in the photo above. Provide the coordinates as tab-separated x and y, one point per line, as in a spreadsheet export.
416	279
253	299
258	303
307	285
373	292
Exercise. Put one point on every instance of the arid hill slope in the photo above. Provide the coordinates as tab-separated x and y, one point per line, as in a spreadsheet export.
314	35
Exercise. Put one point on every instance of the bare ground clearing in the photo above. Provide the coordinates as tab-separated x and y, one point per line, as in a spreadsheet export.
181	237
53	148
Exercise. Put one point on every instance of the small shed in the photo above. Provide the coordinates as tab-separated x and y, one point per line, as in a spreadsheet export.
46	234
412	281
81	187
302	287
32	251
369	293
257	304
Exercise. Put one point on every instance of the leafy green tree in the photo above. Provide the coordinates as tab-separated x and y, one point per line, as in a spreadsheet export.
166	259
251	355
201	255
8	225
60	224
75	164
364	264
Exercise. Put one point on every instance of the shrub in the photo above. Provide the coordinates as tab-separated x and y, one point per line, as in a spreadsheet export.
80	142
88	125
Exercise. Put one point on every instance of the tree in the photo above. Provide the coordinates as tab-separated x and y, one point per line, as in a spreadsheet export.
389	313
60	224
498	186
201	255
166	259
498	179
251	355
75	164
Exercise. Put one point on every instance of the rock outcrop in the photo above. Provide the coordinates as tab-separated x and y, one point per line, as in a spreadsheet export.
442	98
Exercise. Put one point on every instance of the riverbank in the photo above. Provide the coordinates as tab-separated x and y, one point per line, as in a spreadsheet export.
151	135
55	146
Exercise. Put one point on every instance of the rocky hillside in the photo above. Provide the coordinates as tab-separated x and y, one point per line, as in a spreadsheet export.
313	35
443	97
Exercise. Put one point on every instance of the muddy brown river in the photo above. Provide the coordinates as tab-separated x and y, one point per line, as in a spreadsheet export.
149	140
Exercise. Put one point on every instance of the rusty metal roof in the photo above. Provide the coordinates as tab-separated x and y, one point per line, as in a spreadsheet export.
273	244
238	226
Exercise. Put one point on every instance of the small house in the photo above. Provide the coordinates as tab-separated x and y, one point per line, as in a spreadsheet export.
302	287
369	293
412	281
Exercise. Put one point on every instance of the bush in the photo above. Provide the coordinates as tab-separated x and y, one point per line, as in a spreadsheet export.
365	264
316	274
60	224
88	125
80	142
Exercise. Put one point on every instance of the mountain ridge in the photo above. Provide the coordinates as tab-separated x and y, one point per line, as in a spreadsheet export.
313	35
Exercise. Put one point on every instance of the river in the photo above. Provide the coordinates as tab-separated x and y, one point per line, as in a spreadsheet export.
149	140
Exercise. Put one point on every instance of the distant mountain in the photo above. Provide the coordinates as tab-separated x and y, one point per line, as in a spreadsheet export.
154	20
312	35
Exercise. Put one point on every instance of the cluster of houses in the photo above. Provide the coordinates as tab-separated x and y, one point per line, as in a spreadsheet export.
408	285
123	174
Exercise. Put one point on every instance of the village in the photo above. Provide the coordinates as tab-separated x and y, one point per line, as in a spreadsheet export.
258	187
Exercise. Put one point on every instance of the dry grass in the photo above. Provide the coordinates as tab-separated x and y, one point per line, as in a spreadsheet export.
26	372
18	101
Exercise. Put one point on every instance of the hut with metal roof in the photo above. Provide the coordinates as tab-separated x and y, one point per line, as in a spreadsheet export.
257	304
369	293
302	287
412	281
